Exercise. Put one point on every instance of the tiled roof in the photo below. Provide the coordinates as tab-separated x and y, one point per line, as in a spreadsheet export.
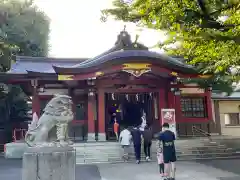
132	53
128	56
41	64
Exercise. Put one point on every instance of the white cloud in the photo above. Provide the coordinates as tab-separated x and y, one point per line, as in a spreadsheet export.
76	29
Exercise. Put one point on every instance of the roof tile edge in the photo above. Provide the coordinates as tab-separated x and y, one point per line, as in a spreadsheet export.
49	59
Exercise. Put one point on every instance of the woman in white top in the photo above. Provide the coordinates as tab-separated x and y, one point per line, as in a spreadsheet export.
125	139
144	122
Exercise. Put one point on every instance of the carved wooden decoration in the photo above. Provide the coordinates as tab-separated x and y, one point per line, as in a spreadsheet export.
136	69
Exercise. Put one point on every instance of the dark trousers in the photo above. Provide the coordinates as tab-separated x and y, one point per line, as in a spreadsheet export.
137	150
147	149
161	168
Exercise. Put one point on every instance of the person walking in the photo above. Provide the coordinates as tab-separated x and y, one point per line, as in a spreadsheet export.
137	140
147	142
167	138
143	122
116	128
125	141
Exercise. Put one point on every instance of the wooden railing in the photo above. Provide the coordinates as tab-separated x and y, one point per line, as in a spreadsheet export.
18	134
200	131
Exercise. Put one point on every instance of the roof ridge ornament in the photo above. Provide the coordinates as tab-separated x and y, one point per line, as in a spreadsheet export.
125	42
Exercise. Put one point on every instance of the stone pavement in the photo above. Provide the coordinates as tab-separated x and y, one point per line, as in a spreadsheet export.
149	171
11	170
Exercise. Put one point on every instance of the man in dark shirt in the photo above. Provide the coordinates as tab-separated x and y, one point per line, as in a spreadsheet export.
167	138
137	140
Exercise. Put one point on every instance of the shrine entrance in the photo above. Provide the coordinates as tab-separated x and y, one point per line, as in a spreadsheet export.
129	109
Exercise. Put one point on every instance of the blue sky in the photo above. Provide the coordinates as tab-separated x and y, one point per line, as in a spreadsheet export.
76	29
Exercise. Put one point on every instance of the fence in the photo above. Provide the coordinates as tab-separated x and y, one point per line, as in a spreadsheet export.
18	134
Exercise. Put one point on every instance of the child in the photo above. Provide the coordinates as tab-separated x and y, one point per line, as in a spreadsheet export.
160	161
125	140
116	127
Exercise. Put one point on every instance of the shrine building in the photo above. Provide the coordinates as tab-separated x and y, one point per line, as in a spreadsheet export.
125	81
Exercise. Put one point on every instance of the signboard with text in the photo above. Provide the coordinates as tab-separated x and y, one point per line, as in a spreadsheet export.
168	116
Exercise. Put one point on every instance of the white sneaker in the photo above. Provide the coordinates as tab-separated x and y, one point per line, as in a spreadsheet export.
147	158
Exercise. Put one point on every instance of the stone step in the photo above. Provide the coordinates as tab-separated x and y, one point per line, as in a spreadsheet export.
111	152
99	145
118	154
180	158
153	147
99	155
153	154
177	142
118	150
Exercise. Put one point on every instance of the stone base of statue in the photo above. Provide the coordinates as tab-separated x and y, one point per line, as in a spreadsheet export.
15	150
49	163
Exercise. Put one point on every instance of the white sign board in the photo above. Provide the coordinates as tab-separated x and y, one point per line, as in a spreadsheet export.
168	116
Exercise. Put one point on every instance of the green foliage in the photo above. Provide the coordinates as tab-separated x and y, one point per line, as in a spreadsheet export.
24	30
206	33
6	54
18	105
14	103
218	83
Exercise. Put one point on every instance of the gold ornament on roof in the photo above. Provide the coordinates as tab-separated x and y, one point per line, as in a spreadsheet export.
174	73
136	69
65	77
99	73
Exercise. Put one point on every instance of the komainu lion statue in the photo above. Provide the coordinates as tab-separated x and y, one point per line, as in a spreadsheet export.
57	115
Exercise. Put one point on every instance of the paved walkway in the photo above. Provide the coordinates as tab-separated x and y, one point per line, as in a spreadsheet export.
149	171
210	170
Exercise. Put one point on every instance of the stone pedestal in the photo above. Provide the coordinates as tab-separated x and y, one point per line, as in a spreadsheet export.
49	163
91	137
101	137
15	150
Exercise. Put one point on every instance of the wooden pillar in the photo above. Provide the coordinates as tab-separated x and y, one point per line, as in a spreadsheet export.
90	119
177	104
171	100
35	98
162	103
217	117
209	105
101	115
71	93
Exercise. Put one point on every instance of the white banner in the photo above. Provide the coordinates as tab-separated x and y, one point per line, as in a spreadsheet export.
168	116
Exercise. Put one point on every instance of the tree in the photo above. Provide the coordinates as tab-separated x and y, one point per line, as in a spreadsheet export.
206	33
24	31
6	49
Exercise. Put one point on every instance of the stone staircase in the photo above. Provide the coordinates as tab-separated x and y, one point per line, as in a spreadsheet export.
190	149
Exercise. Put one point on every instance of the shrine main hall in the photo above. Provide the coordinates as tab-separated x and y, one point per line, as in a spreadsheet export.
126	81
